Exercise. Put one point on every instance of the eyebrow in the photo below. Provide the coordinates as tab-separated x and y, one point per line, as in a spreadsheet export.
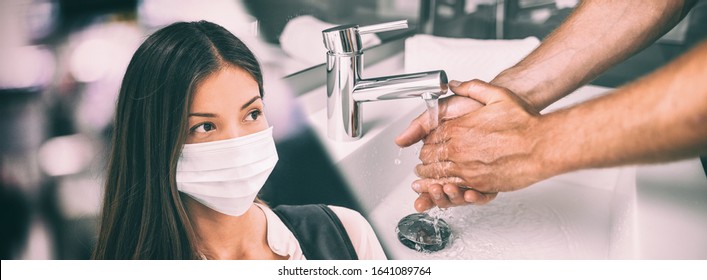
208	115
212	115
249	102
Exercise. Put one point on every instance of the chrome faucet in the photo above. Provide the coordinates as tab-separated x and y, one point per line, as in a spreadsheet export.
346	89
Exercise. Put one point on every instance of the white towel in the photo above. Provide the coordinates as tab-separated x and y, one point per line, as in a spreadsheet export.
302	39
465	59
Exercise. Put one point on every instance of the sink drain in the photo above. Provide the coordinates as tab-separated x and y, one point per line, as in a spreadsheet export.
423	233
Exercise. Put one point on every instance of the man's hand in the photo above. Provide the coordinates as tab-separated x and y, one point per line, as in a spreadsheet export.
449	108
491	149
444	195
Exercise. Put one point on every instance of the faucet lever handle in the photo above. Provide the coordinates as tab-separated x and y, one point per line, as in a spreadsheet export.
346	39
382	27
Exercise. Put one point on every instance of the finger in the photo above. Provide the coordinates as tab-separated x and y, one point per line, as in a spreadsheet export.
439	170
430	153
422	185
455	194
479	91
416	131
456	106
449	108
438	196
478	198
423	202
439	135
418	187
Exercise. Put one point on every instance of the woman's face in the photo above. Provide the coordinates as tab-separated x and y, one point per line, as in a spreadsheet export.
226	105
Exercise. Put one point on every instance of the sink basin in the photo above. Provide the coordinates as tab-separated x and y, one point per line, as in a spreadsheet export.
555	219
612	213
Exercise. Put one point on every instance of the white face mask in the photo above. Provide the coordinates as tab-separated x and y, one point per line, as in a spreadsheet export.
226	175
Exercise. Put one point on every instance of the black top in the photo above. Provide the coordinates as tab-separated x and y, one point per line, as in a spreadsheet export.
318	230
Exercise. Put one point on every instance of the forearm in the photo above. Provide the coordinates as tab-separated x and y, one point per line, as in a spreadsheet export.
598	34
658	118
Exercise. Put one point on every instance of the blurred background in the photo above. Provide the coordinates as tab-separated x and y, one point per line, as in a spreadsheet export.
62	62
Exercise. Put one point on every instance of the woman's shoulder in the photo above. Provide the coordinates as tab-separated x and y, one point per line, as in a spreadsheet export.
348	216
360	232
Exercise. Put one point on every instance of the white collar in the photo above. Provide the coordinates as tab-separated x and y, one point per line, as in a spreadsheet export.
280	239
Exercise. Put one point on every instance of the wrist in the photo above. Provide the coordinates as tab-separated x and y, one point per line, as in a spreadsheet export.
554	151
523	85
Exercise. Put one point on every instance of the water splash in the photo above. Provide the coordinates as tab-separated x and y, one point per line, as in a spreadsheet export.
432	103
557	220
397	160
426	232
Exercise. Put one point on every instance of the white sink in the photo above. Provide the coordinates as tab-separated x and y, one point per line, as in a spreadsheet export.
555	219
590	214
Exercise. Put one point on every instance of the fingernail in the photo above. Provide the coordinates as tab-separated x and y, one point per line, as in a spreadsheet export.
416	187
454	83
437	196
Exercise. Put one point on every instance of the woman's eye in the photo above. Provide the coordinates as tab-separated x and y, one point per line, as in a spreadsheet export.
253	115
204	127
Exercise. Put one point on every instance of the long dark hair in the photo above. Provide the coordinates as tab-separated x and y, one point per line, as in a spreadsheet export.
143	215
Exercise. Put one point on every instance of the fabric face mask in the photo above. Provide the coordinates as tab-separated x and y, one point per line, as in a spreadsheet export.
227	175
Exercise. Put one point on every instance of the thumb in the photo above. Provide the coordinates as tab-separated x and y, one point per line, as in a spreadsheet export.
418	130
478	90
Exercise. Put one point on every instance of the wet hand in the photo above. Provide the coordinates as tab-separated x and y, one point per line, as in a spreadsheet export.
489	150
449	108
449	195
445	195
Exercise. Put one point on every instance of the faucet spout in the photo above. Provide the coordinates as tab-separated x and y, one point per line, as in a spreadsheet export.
346	90
401	86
